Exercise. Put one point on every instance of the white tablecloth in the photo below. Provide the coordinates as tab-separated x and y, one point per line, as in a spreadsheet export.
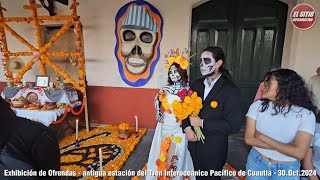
45	117
41	96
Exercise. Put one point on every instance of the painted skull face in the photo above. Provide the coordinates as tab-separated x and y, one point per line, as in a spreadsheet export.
174	74
207	65
138	33
137	49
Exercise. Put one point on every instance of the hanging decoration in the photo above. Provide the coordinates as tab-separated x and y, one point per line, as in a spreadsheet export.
40	52
138	33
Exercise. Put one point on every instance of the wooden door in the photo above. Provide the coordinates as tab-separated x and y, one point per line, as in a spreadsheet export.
251	33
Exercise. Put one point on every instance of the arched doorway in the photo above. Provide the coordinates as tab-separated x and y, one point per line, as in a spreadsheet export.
251	32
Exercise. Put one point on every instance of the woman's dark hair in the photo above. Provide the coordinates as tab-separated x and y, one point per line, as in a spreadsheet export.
291	91
183	73
218	54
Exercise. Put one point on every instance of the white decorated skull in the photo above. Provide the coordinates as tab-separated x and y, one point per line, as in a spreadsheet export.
174	74
137	49
207	65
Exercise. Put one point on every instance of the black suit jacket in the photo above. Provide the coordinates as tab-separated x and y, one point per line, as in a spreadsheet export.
226	118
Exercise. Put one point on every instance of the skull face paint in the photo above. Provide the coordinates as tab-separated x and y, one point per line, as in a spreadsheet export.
138	31
207	65
174	74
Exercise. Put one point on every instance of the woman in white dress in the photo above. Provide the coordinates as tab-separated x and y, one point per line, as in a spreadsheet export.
169	146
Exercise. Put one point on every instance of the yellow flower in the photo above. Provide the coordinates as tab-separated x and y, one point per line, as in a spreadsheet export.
178	139
177	59
184	64
162	158
176	104
198	100
185	105
187	99
166	106
124	126
171	60
194	95
214	104
171	138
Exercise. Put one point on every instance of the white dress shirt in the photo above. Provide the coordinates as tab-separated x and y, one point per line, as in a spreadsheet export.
207	87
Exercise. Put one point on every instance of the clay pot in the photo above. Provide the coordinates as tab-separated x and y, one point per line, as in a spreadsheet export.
124	134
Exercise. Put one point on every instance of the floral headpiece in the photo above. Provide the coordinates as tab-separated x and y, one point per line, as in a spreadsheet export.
175	57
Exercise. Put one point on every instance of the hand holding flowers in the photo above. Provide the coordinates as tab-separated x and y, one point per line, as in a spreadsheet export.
190	104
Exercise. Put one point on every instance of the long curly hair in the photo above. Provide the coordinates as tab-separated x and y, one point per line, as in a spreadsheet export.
291	91
183	73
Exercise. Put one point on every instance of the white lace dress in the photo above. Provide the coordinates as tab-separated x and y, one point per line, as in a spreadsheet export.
169	127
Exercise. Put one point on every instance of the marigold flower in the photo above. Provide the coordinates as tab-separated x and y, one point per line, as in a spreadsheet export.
198	100
178	139
166	106
164	146
214	104
184	64
187	99
167	139
162	158
194	95
158	162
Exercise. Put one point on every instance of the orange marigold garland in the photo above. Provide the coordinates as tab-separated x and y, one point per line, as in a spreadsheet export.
161	162
38	31
43	49
163	100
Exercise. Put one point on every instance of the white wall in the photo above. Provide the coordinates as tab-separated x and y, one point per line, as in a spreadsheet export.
301	49
97	17
305	51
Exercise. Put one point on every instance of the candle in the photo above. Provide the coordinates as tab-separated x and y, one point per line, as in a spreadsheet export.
100	158
77	124
136	123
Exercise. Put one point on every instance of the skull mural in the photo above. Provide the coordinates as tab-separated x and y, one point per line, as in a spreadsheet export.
138	32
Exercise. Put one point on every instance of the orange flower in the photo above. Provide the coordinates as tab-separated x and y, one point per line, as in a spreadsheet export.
214	104
167	139
164	146
158	162
124	126
176	57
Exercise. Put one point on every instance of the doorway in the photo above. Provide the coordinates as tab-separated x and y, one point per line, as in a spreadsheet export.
251	33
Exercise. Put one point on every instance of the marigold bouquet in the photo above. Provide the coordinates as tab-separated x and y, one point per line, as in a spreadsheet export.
190	104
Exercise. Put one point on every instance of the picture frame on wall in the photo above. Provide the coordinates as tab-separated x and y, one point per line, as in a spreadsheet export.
42	81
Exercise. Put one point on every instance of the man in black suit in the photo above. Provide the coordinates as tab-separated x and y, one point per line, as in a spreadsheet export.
220	116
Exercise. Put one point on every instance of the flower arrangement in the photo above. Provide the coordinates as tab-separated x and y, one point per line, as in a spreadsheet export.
175	57
190	104
124	127
124	131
